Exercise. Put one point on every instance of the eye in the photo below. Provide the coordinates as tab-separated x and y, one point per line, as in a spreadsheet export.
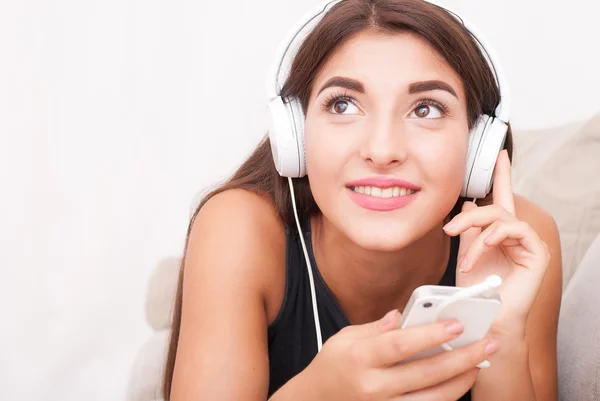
341	105
429	109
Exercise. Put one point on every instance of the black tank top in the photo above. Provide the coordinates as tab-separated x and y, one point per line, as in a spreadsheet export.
291	336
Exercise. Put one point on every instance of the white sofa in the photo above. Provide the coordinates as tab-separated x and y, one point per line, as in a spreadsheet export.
579	332
557	168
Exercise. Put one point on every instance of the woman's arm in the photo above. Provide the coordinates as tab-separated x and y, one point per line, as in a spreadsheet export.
236	251
525	368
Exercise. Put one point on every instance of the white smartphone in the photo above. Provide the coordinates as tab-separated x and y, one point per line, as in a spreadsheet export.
476	314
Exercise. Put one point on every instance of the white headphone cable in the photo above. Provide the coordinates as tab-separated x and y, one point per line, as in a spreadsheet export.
309	267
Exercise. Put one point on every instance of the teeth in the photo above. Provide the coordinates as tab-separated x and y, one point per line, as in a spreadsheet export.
387	193
384	193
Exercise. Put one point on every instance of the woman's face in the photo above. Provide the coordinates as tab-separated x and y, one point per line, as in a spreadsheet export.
386	139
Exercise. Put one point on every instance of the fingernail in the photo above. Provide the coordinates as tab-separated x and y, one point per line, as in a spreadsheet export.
488	239
492	347
450	226
463	264
388	317
454	327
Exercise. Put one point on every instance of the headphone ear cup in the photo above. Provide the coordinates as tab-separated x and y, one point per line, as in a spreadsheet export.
485	143
283	135
475	139
297	116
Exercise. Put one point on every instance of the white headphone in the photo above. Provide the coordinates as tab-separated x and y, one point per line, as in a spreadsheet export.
286	131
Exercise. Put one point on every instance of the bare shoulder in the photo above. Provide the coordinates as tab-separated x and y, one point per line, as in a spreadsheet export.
541	221
240	214
542	324
535	215
233	280
545	226
247	227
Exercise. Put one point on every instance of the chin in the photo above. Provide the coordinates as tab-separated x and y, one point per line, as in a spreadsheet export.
393	230
382	236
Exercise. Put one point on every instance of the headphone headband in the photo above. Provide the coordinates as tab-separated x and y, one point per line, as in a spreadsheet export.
280	68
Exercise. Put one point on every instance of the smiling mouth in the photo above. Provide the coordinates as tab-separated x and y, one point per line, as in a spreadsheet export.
391	192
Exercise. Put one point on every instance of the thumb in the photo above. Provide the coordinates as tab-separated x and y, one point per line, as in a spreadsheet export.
387	323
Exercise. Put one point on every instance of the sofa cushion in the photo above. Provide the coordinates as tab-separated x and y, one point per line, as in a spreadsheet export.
161	293
578	328
559	169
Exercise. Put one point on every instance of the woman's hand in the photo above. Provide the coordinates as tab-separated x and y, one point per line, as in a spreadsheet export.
494	241
362	363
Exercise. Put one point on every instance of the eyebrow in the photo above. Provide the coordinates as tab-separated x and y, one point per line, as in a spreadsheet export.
343	82
415	87
425	86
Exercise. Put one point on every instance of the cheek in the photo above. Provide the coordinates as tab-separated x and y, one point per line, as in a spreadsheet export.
328	149
442	160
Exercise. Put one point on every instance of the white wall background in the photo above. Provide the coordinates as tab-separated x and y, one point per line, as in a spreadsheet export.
115	113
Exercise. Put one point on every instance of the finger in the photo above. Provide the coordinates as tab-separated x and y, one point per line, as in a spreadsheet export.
509	234
429	372
389	322
467	237
502	190
477	248
397	345
479	217
516	233
450	390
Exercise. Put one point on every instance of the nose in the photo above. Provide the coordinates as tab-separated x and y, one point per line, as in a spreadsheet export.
384	145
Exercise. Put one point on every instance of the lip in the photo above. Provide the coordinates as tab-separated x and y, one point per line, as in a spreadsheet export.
378	204
383	182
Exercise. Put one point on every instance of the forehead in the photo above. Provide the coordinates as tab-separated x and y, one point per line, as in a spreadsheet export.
386	60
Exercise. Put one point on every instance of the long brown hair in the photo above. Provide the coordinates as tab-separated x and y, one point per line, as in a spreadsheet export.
347	18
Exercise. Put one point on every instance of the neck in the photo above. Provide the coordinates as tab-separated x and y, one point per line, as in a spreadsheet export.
367	284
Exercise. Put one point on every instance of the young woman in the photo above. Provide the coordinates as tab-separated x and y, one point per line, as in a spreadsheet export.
390	91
